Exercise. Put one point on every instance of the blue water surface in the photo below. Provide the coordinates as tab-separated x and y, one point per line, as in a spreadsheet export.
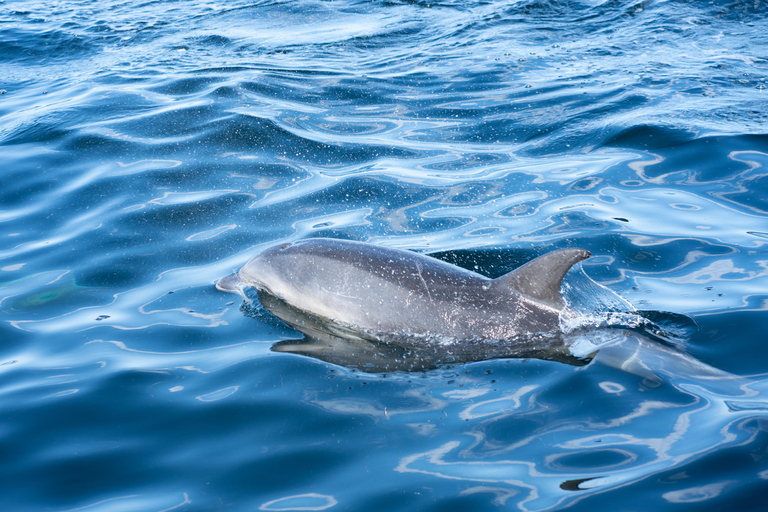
148	148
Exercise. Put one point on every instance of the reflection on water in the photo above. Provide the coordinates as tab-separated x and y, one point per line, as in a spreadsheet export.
540	448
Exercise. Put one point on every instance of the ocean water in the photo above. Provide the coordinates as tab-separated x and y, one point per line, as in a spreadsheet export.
148	148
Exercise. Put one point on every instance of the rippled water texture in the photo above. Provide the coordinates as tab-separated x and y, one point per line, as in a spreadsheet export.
149	148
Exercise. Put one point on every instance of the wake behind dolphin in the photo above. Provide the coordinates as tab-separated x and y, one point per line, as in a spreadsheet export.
377	293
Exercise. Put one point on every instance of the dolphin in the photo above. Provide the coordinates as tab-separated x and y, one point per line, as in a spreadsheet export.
380	309
381	294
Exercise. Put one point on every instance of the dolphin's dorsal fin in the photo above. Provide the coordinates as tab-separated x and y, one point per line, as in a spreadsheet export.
540	279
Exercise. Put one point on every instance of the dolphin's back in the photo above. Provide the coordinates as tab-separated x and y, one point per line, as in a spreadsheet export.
378	289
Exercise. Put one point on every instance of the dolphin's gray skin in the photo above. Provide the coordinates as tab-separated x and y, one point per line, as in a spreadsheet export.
378	293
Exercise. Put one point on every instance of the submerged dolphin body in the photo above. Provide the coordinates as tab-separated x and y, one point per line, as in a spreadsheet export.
374	293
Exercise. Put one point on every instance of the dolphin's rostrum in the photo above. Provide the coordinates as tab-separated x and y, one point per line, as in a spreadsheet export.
379	293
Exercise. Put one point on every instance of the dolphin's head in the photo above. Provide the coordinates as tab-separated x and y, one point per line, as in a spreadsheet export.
295	272
272	269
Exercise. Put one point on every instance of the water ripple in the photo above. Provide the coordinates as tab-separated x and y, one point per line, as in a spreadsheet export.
150	148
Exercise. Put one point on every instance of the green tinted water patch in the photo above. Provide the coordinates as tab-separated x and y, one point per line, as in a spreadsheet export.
63	289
